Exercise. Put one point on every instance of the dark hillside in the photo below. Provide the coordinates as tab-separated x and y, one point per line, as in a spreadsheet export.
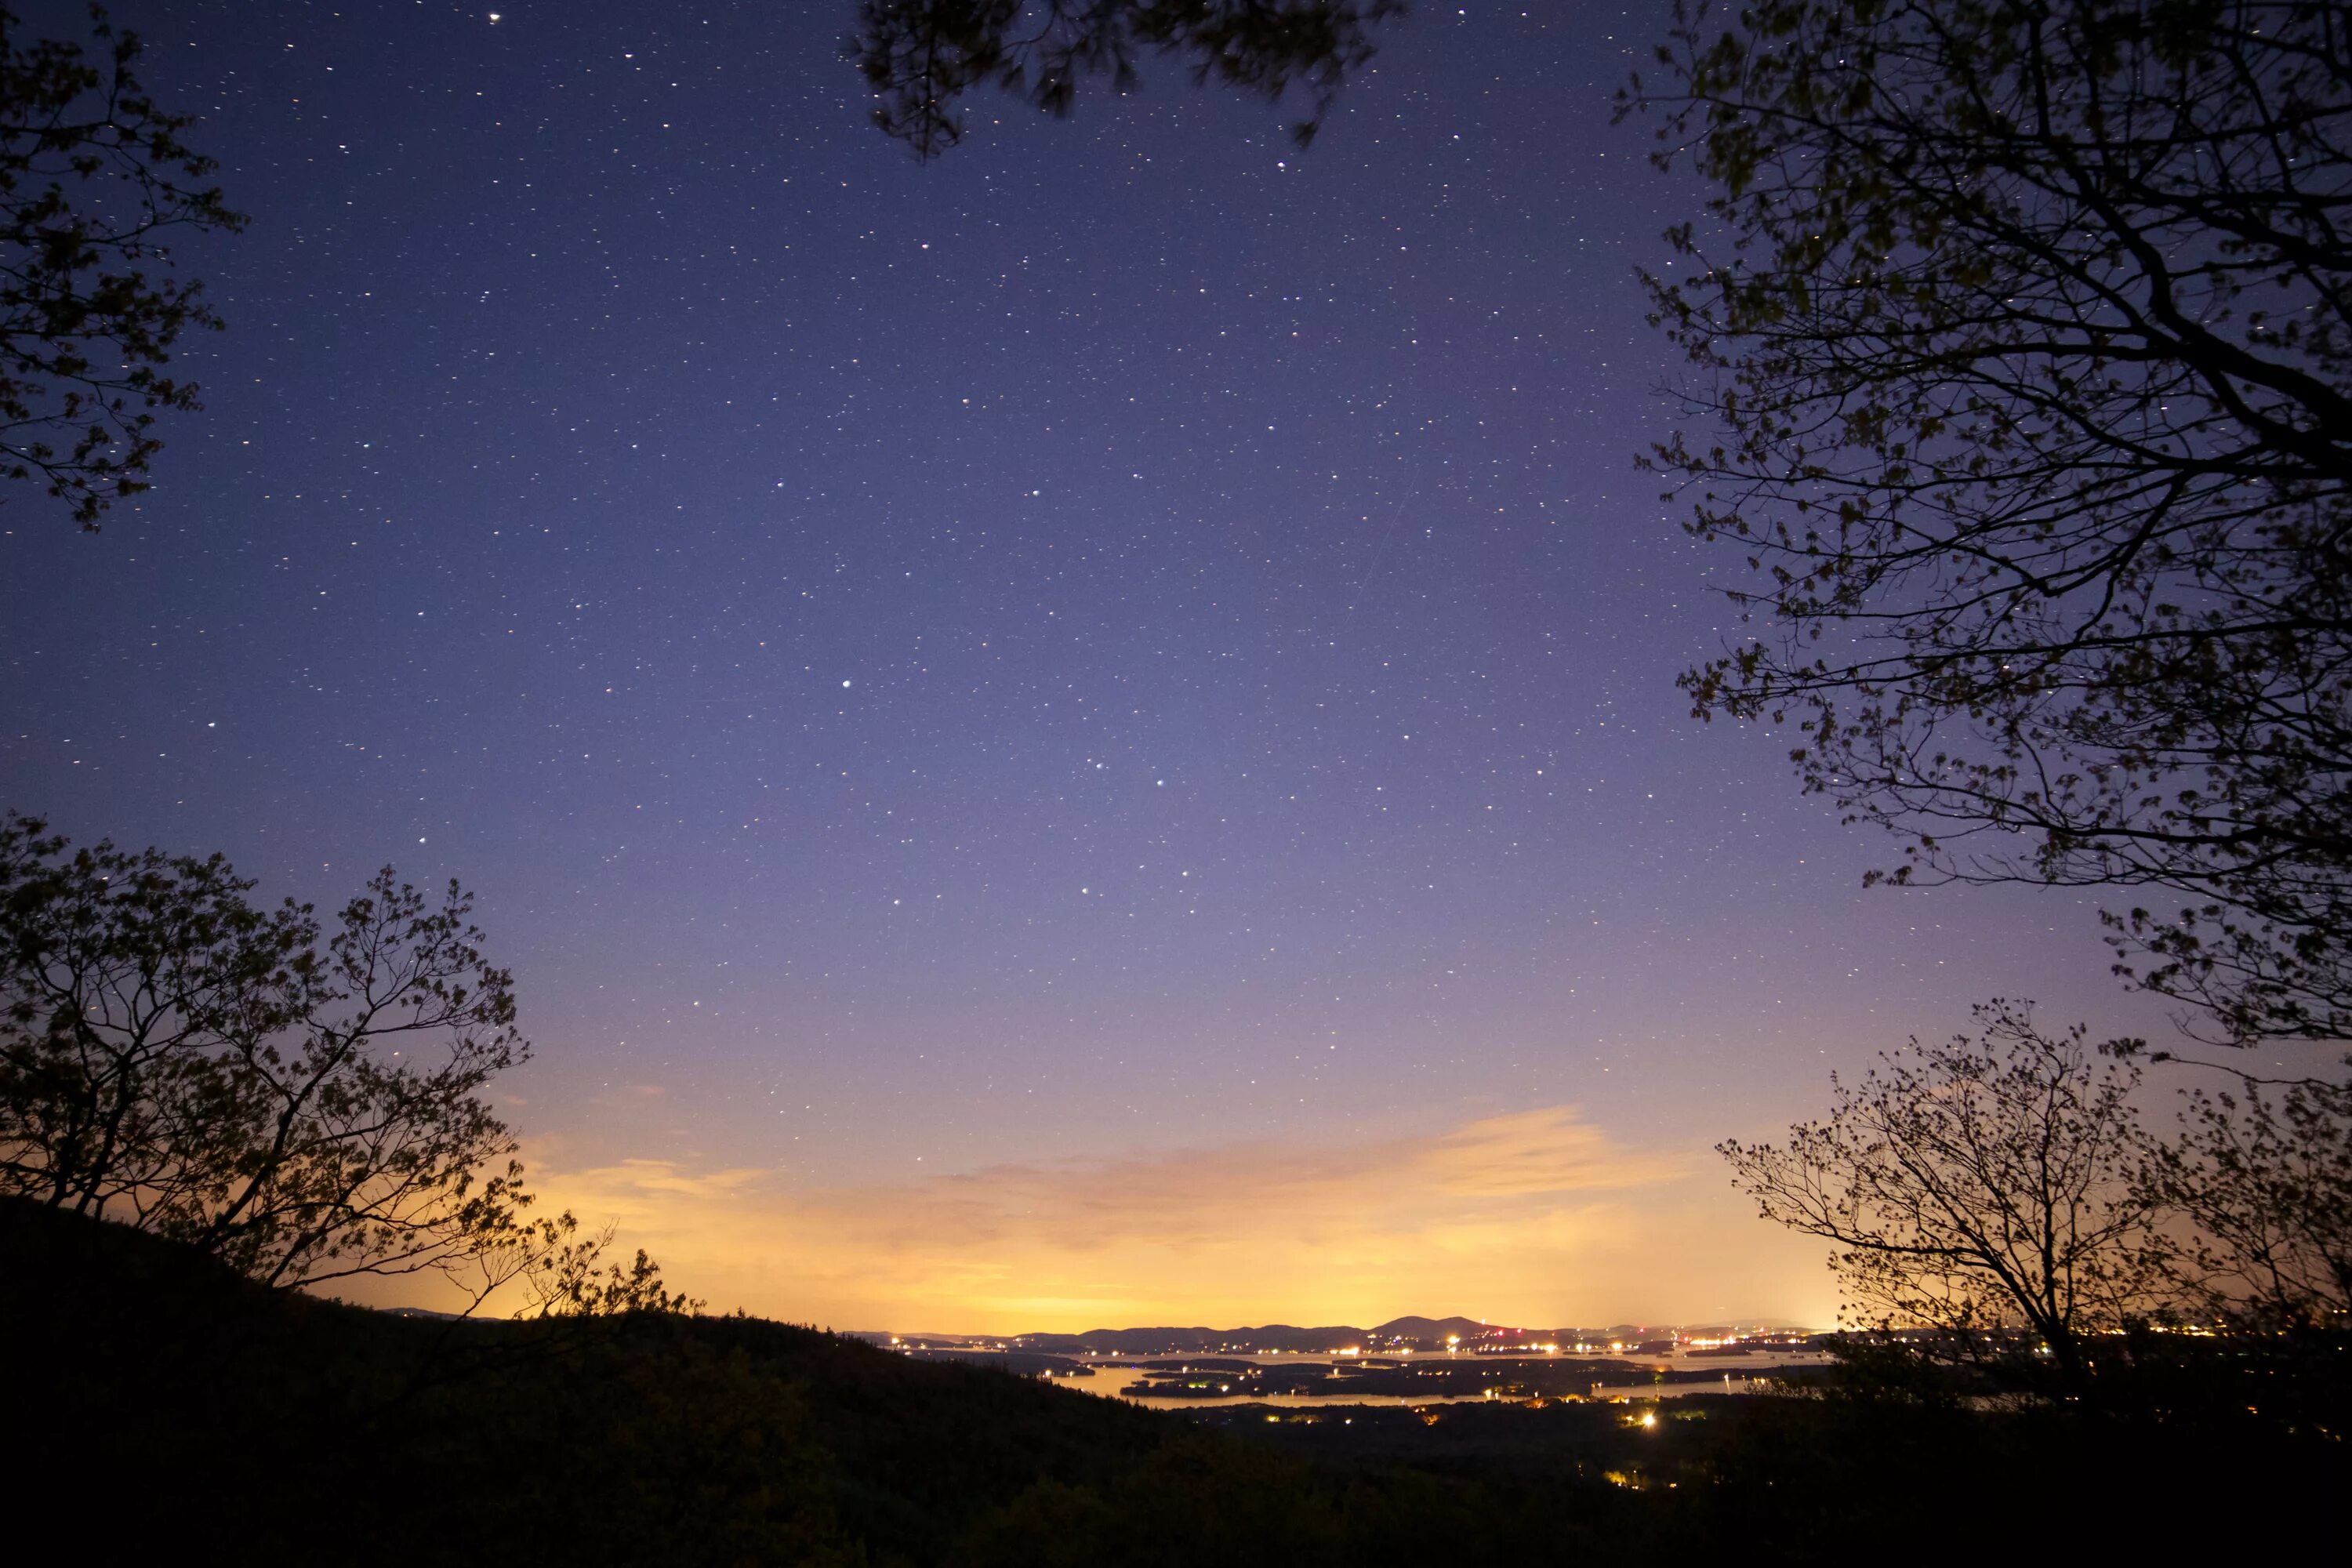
226	1421
264	1423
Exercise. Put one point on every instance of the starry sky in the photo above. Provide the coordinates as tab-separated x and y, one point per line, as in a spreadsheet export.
1081	734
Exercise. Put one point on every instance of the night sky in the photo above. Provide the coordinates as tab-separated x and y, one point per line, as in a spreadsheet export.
1081	734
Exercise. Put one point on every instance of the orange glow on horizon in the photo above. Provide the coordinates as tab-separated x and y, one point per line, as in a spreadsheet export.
1537	1215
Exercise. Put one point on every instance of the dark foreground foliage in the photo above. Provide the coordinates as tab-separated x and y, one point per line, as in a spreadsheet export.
228	1421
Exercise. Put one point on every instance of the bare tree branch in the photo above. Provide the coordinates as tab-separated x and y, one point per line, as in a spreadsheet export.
93	178
2026	328
175	1058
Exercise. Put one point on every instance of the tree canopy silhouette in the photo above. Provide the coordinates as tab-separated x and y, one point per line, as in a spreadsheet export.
2028	328
920	56
1976	1186
2262	1174
302	1102
93	177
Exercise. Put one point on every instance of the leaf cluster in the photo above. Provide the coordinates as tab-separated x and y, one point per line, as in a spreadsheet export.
920	56
2264	1179
93	177
560	1268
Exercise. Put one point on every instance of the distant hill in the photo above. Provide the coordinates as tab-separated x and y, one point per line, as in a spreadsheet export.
1270	1337
1410	1332
1435	1329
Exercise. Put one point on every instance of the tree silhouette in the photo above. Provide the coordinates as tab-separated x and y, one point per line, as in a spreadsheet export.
302	1102
1977	1187
2265	1178
2028	328
920	56
93	177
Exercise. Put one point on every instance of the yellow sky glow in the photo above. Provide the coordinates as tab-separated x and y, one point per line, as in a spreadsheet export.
1536	1219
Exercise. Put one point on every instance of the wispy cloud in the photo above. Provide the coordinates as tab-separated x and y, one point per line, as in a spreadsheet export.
1538	1216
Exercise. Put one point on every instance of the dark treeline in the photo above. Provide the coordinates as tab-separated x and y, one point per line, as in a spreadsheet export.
351	1436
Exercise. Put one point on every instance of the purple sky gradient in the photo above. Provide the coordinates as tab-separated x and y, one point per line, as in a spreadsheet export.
1130	641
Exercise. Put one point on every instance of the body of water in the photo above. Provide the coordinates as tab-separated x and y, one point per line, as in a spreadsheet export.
1113	1376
